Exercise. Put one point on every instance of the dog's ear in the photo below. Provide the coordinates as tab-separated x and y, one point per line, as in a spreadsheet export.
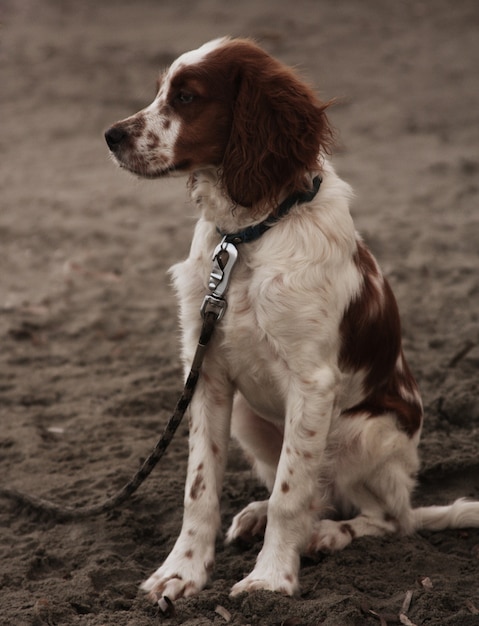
279	129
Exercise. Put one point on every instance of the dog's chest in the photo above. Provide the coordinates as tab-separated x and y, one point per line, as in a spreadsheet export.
242	344
272	328
249	351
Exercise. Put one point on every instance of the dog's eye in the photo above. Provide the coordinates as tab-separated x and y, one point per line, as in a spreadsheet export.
185	97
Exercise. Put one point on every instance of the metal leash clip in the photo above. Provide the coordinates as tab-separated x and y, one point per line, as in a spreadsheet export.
224	258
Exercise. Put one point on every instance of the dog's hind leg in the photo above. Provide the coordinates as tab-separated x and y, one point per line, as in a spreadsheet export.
372	464
260	440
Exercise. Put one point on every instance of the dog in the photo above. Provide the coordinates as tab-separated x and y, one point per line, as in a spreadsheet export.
306	368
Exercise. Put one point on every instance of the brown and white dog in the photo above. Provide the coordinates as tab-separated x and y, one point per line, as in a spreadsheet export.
306	368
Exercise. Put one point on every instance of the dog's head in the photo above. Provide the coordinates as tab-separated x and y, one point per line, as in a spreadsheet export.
230	106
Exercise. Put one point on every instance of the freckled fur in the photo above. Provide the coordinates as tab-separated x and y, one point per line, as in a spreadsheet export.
306	369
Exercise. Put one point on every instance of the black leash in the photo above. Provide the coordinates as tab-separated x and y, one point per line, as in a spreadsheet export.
212	310
64	513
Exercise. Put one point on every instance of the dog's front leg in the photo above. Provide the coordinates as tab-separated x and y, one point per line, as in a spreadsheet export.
188	566
294	496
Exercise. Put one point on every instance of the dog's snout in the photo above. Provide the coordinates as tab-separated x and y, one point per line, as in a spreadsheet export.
114	137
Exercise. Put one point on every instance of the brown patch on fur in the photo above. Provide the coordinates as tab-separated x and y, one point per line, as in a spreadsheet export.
206	119
284	487
371	340
137	125
197	486
189	554
153	140
371	331
346	529
390	519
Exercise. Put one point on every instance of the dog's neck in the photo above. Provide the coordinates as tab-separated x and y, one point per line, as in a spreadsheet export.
216	206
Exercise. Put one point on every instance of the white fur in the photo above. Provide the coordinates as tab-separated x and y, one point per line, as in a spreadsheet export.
193	57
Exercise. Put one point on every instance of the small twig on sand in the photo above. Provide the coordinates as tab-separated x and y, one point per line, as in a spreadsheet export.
472	607
367	610
381	618
460	354
224	613
403	618
425	582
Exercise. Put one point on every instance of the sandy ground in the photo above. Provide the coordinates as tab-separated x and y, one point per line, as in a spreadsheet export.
89	366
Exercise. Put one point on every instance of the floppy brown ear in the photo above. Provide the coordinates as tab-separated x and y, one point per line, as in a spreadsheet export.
278	130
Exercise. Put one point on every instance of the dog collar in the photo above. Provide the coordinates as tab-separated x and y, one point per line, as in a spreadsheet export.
252	233
226	253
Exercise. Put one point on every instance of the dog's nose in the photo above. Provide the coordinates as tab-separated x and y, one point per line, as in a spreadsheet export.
114	137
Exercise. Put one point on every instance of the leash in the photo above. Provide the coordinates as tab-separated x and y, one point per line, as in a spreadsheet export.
212	311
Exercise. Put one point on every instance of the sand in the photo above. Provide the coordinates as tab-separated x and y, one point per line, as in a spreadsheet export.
89	367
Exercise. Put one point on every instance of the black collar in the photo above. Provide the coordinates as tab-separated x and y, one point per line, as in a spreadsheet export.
251	233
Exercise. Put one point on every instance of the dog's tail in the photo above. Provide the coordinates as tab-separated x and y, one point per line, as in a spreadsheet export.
460	514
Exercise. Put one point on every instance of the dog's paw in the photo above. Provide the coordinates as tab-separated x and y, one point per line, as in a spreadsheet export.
181	575
330	536
249	522
284	583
